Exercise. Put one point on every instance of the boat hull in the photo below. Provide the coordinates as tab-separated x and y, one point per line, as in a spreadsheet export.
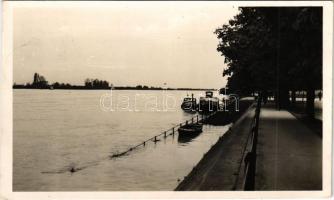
190	130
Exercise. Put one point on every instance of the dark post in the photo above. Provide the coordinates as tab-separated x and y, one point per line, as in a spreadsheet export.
192	101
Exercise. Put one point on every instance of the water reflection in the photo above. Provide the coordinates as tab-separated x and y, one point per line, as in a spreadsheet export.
185	139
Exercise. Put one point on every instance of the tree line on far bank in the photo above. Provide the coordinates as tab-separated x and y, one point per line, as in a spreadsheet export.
274	50
39	82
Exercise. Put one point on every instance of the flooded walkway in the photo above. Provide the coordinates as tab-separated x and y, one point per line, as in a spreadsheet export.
289	155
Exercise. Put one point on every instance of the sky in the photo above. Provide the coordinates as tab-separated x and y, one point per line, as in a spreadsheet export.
125	43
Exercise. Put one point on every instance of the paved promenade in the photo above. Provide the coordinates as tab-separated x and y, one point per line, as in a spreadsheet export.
289	154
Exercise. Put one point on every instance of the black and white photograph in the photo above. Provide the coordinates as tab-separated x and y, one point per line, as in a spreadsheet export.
165	96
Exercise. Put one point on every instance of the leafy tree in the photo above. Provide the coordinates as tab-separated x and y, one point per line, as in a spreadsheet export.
274	49
55	85
96	84
39	81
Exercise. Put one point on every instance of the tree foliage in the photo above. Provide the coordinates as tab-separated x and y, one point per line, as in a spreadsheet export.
39	81
96	83
273	49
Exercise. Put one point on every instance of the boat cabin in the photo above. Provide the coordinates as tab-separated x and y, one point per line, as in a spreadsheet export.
208	94
187	99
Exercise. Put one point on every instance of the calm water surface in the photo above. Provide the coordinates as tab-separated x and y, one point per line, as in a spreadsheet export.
55	130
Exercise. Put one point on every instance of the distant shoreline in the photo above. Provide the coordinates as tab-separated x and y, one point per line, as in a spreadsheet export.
40	82
169	89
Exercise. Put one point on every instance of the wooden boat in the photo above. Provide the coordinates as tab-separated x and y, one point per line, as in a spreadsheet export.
190	129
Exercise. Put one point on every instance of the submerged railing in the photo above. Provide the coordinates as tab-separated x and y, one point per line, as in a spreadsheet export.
170	132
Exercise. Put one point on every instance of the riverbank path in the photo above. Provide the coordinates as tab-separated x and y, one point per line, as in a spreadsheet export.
289	155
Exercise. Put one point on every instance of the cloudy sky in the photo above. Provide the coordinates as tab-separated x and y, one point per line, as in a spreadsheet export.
126	43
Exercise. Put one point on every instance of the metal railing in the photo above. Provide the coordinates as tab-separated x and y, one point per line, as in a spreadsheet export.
170	132
250	157
247	168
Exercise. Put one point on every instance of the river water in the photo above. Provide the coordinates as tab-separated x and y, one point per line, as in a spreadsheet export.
55	130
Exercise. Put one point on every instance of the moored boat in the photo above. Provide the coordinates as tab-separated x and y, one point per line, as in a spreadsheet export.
189	103
208	103
190	129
